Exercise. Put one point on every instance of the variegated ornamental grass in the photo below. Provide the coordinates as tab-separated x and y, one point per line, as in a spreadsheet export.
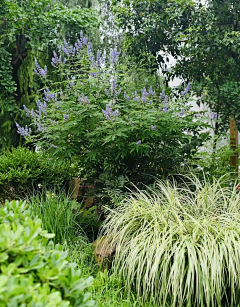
180	245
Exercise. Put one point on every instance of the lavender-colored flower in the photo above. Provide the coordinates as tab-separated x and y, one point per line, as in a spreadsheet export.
56	59
41	72
98	60
151	91
53	146
114	54
214	116
150	102
144	95
23	131
113	87
29	113
41	107
83	39
130	121
84	99
153	127
162	95
66	48
109	113
49	96
187	89
126	96
89	49
139	142
65	116
40	127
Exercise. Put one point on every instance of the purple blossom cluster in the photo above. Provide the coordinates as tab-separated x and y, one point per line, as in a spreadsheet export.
40	127
65	116
83	99
29	113
109	113
41	72
165	101
56	60
42	108
187	89
114	55
126	97
144	95
23	131
48	96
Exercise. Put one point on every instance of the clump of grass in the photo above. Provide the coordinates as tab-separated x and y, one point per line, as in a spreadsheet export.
180	245
59	214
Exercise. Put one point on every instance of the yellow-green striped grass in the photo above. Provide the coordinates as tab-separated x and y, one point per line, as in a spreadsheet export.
178	245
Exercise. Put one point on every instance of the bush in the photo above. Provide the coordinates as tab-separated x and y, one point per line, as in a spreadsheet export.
22	170
33	271
180	245
114	131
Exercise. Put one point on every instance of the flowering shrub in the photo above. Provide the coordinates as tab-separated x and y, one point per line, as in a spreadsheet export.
89	115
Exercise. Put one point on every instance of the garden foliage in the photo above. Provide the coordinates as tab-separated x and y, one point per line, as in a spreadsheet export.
111	130
179	244
23	170
28	29
33	271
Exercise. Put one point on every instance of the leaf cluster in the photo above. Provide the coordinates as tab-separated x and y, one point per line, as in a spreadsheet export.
33	271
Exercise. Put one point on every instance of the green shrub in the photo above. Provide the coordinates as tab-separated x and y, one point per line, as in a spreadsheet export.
33	271
180	245
23	170
115	131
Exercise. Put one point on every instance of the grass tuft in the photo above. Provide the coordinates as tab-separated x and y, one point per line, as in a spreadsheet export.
179	244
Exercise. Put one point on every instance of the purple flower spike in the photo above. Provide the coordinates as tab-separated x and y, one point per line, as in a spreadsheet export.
151	91
187	89
130	121
65	116
41	72
23	131
114	54
139	142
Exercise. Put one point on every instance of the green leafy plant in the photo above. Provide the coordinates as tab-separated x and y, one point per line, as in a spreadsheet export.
91	117
179	244
33	271
23	170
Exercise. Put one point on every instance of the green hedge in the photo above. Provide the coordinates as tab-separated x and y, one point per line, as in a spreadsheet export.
34	272
23	170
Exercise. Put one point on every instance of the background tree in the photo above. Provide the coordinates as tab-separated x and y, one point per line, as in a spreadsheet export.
203	38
